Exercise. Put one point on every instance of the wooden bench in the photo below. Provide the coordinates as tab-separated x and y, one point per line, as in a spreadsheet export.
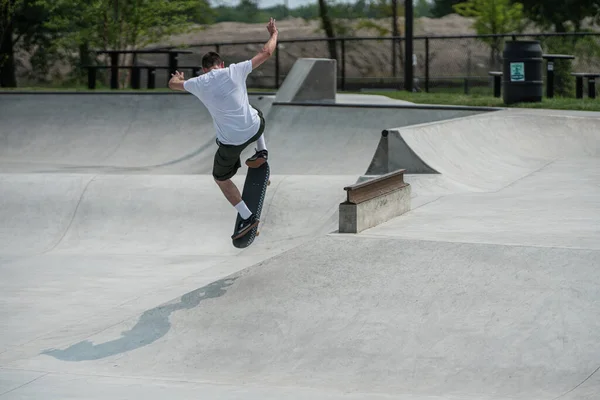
591	78
497	82
374	201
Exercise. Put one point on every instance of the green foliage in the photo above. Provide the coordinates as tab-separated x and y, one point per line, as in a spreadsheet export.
384	8
561	15
8	8
556	103
587	49
119	24
564	16
441	8
493	17
30	34
79	26
564	83
251	11
371	25
423	9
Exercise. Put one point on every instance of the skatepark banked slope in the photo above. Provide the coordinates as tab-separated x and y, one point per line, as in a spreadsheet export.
490	151
114	284
105	133
109	198
130	173
173	134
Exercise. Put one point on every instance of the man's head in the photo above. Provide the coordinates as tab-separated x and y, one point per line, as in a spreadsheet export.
212	60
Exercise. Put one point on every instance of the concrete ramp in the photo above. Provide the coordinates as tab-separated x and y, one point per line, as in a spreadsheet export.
162	215
111	133
310	79
340	139
492	150
119	279
393	153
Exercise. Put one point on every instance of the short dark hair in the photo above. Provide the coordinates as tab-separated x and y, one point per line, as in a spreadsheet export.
211	59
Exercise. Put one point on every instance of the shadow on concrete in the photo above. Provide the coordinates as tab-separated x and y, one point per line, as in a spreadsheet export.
152	325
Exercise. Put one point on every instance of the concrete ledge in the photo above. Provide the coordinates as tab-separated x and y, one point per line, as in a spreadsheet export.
373	202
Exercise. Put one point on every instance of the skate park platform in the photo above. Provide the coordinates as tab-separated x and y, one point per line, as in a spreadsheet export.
119	280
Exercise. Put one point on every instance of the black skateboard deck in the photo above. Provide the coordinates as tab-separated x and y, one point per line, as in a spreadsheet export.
255	188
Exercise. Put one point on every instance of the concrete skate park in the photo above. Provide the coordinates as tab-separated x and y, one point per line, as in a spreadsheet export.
478	280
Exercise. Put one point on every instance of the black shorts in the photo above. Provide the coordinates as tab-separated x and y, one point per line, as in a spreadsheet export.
227	158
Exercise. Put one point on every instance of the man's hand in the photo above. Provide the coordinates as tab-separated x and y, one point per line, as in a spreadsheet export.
271	27
176	82
269	47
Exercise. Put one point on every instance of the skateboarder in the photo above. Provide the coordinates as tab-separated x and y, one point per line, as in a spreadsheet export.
223	91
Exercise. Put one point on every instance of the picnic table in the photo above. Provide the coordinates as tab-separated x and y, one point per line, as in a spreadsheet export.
550	70
135	69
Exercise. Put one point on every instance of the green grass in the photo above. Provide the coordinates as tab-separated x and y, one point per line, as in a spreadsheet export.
475	100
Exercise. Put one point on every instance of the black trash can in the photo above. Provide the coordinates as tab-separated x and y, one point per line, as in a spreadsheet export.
522	72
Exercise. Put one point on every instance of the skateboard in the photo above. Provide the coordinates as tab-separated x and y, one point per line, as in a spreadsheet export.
255	188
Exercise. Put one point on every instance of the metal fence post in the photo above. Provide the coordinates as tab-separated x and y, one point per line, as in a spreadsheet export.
427	64
173	62
135	77
343	64
92	77
114	70
151	77
277	65
394	67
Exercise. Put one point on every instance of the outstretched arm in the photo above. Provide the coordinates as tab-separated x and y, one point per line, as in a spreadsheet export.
177	80
268	48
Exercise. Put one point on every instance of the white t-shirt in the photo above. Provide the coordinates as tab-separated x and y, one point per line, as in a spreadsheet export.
223	92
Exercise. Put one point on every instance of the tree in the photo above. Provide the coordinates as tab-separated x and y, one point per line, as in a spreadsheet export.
119	24
560	14
493	17
7	70
327	26
7	12
250	9
423	9
441	8
388	9
21	22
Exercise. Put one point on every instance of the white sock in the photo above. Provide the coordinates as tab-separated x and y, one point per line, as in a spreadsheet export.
243	210
260	144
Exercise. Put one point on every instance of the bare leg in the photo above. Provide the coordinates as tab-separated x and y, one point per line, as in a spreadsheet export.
231	192
260	143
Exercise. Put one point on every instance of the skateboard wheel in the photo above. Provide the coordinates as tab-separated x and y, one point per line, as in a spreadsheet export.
268	182
257	233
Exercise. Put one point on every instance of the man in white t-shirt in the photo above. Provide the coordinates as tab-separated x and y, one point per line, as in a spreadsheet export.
223	92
